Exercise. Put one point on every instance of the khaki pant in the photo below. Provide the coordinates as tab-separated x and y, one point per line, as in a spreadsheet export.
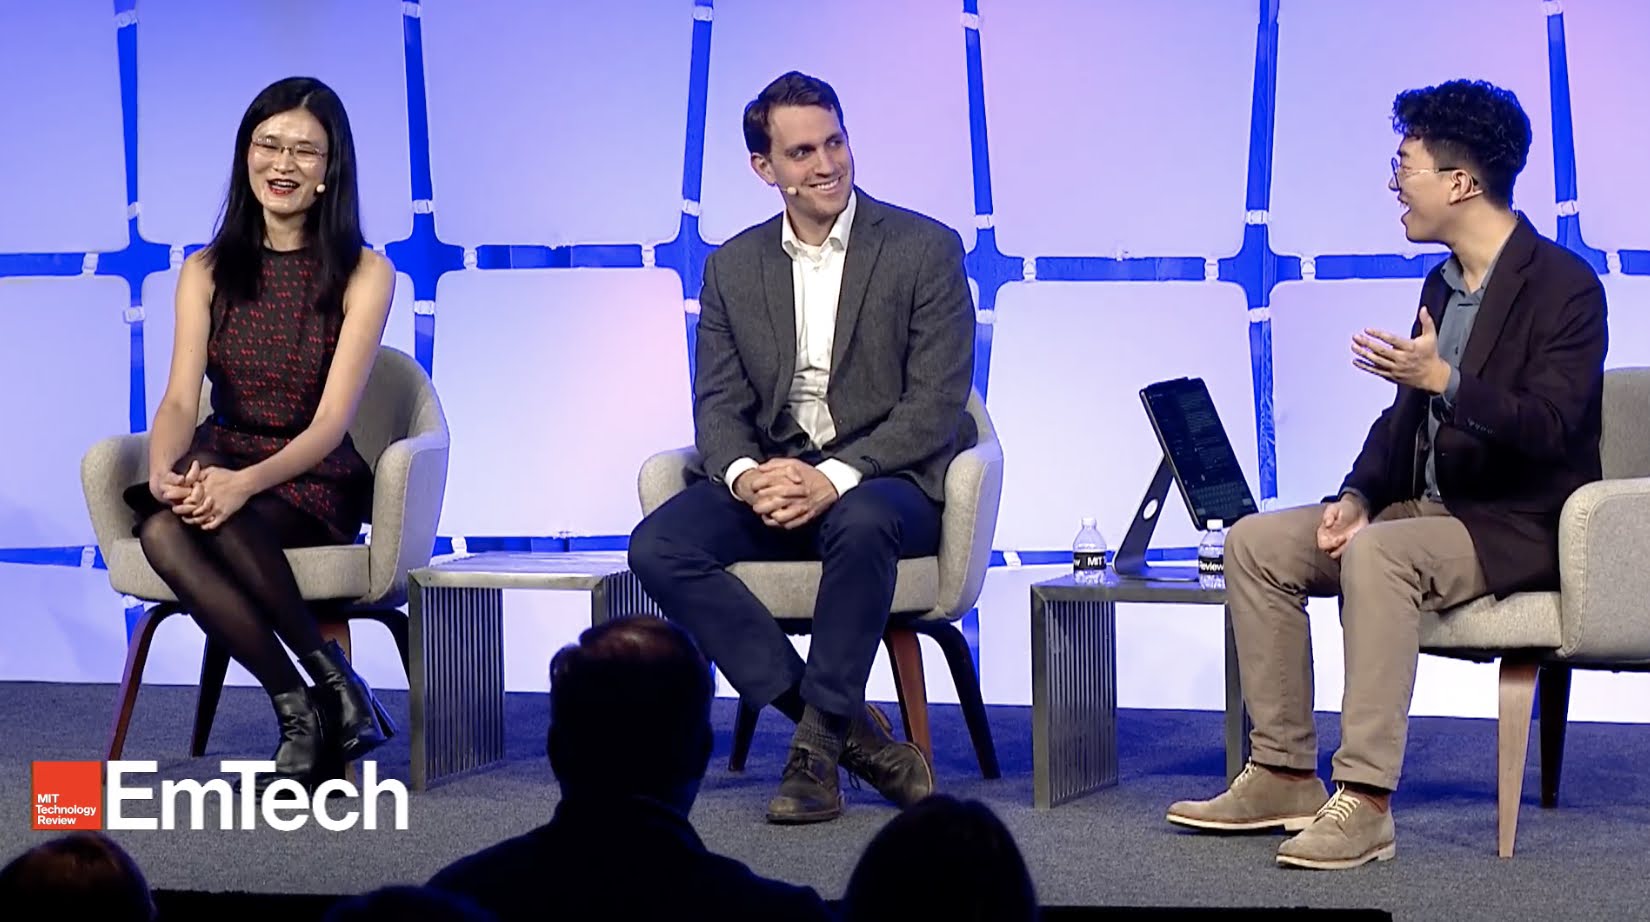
1414	556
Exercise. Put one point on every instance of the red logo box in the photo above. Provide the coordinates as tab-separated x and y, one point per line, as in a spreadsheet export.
68	795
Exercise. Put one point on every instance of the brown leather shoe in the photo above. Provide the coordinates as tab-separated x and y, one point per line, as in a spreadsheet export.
809	792
897	770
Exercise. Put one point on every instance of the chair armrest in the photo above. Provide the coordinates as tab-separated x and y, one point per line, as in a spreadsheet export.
106	470
664	475
1604	567
973	492
408	487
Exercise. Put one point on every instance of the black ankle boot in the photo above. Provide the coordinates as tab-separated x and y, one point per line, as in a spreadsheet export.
303	745
355	719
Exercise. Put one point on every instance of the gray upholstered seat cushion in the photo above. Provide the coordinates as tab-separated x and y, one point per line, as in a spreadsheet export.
337	572
1522	621
788	588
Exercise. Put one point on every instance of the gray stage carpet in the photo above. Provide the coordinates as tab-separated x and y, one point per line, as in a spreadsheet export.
1589	859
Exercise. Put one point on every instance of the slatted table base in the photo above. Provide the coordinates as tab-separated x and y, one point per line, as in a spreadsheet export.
456	680
1074	700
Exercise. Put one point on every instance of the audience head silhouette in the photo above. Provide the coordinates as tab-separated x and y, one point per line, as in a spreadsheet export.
630	713
942	838
392	904
84	875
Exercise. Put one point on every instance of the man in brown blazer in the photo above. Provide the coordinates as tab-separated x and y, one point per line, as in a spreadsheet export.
834	360
1456	493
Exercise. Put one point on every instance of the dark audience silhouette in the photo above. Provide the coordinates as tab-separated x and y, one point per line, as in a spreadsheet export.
83	875
942	858
629	742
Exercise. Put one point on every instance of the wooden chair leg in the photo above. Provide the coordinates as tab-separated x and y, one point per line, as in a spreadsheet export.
905	655
744	731
957	656
137	655
214	666
1517	700
1554	688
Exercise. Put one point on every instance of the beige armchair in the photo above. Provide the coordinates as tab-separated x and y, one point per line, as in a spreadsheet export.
1596	620
401	432
930	593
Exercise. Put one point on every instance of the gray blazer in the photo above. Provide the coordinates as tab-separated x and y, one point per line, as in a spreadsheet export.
902	363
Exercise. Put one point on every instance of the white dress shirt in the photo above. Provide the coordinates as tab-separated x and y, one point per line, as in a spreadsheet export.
816	279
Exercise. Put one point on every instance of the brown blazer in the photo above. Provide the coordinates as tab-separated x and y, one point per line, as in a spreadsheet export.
1524	432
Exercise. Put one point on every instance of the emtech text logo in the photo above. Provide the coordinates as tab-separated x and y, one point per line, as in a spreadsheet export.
99	795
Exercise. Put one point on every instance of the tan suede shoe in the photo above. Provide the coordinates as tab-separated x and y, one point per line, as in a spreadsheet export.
1257	799
1349	831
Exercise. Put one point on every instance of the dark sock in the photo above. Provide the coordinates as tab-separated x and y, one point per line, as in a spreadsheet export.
790	703
823	733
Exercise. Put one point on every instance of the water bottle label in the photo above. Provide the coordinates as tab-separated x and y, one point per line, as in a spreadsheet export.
1088	560
1211	566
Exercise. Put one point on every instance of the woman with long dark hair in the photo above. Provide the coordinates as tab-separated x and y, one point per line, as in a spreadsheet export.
283	311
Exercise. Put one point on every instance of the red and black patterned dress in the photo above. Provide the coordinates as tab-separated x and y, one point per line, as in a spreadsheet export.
268	362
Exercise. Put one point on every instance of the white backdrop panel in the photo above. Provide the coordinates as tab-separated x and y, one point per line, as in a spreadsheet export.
65	362
1322	407
1605	41
558	384
1068	362
899	71
1339	67
198	70
1627	298
568	129
64	625
72	129
1155	164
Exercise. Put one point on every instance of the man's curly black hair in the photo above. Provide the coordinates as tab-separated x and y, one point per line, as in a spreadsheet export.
1470	125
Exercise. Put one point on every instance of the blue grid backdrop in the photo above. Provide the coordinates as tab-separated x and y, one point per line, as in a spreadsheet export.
424	257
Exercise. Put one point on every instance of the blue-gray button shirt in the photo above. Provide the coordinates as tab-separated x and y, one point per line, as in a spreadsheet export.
1459	315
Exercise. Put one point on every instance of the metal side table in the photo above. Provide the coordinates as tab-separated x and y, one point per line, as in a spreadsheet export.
1074	681
456	635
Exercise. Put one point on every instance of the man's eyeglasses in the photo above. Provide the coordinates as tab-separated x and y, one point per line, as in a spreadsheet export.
1401	172
304	153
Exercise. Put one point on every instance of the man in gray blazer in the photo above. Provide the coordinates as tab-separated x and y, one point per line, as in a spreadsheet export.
834	362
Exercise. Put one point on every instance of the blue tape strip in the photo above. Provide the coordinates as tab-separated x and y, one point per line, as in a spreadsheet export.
49	556
601	256
1564	145
422	256
1135	269
1635	262
978	145
41	264
140	257
1378	266
1255	267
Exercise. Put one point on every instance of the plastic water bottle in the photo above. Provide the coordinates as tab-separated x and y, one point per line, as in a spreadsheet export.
1211	556
1088	554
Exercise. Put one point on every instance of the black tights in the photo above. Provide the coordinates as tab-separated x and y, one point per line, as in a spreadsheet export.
236	583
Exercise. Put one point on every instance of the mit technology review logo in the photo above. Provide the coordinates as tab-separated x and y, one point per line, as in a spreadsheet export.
74	795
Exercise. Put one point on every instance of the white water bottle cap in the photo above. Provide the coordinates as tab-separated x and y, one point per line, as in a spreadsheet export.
1216	524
